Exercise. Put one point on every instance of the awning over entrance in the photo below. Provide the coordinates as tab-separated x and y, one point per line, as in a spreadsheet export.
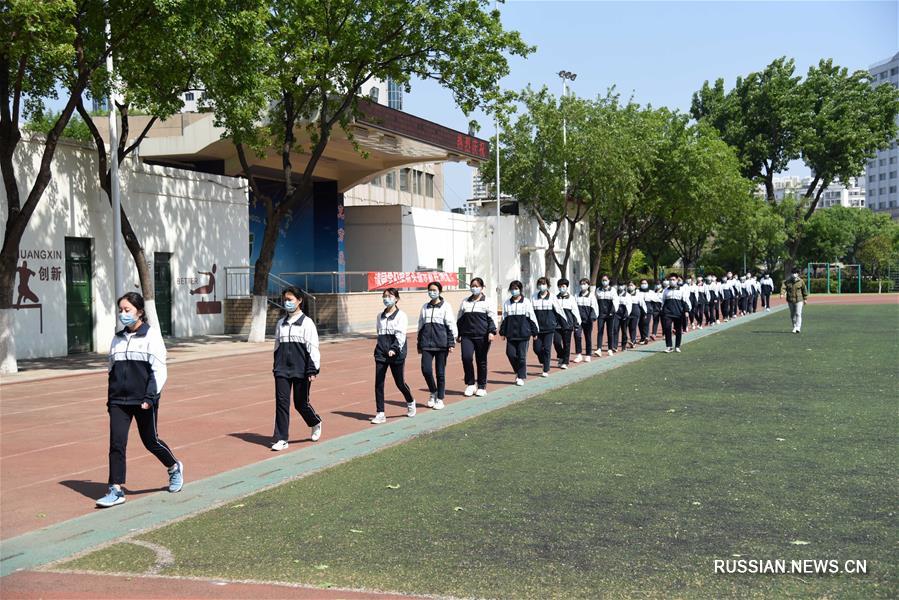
391	139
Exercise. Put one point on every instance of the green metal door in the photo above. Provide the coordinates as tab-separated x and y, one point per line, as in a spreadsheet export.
162	287
79	305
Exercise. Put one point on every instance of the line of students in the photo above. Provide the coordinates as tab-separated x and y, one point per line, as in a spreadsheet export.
137	360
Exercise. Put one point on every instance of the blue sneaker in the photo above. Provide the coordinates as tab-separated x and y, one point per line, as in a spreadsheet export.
176	478
113	497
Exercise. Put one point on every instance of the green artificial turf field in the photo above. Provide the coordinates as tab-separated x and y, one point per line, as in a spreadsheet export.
752	444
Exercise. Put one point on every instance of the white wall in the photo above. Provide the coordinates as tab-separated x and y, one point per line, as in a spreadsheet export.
201	219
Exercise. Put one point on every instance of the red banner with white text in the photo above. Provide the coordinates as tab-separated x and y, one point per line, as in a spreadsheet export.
381	280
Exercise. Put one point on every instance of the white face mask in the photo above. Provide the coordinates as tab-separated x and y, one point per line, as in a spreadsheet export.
563	289
475	291
644	286
605	283
672	283
585	287
542	287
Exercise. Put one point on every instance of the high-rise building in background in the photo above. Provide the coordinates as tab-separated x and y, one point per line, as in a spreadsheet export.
882	171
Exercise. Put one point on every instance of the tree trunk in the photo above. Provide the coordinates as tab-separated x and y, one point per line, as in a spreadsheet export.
263	268
594	269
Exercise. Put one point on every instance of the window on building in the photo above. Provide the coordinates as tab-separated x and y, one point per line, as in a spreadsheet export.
892	160
892	204
881	177
883	191
188	96
873	192
376	181
892	189
439	264
390	179
894	71
404	180
883	161
429	185
871	178
394	95
892	174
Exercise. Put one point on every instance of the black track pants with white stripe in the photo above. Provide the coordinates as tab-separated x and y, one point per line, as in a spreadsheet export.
120	416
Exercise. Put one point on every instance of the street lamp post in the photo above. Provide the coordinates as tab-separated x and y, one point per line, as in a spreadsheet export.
496	232
118	268
565	76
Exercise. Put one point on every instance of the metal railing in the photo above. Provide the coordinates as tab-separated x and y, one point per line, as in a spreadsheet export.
239	284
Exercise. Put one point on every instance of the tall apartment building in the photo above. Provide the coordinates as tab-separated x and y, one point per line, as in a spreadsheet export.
882	171
850	195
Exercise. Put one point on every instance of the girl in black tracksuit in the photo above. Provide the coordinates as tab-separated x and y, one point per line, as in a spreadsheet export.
297	364
549	314
767	288
675	304
519	324
589	312
390	353
436	339
477	328
137	373
570	323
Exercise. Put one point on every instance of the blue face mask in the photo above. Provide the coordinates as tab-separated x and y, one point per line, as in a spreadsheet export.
388	302
563	289
127	319
542	287
290	306
433	294
515	292
475	291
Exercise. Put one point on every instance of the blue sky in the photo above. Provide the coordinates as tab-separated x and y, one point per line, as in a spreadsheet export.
663	51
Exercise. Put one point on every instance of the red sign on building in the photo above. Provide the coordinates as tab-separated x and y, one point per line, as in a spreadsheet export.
381	280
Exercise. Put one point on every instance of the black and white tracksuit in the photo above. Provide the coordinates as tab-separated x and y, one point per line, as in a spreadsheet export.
653	299
137	374
436	335
519	324
549	316
391	337
589	312
297	359
675	304
607	300
635	306
702	304
767	286
476	321
567	325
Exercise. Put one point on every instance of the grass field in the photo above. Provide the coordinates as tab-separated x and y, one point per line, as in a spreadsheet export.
629	484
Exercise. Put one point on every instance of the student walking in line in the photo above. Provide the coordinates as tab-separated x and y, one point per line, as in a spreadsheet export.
390	353
589	312
702	302
645	295
137	374
625	303
567	325
727	305
793	289
607	300
756	291
297	364
655	308
674	305
767	287
638	309
477	328
436	339
549	314
518	326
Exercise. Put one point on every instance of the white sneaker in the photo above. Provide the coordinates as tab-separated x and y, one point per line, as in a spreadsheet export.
580	358
432	400
279	445
519	381
470	390
677	349
611	353
317	432
410	409
439	405
544	374
480	393
563	366
767	310
669	350
378	418
587	359
597	353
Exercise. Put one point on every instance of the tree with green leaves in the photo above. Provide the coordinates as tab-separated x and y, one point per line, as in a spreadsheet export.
877	253
308	66
49	49
833	119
